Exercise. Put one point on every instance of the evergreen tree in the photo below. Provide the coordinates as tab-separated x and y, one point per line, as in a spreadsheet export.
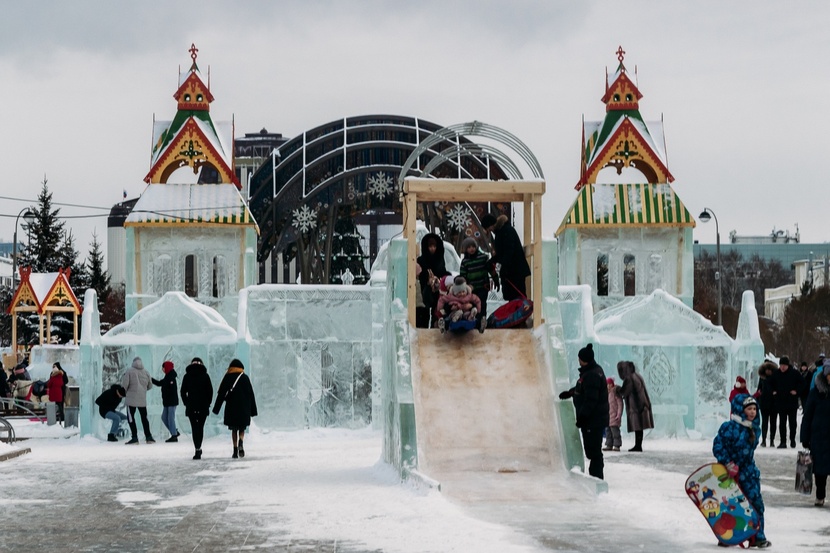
46	236
98	278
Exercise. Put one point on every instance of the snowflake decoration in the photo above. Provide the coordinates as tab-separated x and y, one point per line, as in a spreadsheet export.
458	217
381	185
304	219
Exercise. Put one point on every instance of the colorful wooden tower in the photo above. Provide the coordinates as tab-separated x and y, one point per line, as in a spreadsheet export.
44	294
627	233
191	230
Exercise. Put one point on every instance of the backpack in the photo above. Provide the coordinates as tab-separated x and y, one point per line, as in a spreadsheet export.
38	388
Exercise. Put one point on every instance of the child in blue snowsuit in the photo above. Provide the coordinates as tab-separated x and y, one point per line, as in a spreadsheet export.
734	446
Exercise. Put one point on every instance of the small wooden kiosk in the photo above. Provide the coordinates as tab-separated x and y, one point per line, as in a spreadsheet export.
44	294
528	192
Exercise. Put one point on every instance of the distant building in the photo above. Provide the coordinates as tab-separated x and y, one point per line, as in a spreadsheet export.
117	242
251	151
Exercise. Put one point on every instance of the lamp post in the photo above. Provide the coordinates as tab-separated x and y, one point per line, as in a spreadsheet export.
705	216
29	218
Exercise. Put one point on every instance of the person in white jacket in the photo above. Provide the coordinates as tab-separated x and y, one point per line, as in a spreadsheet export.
136	381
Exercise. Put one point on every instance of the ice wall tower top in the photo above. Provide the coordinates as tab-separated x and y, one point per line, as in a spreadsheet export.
192	139
627	233
623	139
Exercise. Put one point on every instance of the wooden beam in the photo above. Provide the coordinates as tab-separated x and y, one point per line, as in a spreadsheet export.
536	276
471	189
409	225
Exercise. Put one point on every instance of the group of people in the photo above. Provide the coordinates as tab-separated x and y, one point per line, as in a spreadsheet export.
19	384
598	403
235	392
448	299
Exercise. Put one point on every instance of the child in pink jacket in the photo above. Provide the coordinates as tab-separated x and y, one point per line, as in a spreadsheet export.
459	302
613	438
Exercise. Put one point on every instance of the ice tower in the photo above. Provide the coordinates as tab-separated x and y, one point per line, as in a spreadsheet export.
191	230
627	233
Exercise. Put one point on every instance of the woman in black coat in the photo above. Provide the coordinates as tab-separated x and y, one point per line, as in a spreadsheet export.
766	403
638	414
815	432
510	254
197	393
433	267
237	393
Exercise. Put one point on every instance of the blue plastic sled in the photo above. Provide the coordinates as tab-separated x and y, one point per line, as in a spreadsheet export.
461	325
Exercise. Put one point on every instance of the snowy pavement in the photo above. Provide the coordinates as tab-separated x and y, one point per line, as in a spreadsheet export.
326	490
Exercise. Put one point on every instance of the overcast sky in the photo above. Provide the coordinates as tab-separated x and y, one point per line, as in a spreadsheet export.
742	87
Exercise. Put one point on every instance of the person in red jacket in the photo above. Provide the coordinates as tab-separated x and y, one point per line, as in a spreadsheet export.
54	387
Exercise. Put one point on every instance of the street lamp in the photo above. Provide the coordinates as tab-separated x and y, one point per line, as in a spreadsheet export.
705	216
29	217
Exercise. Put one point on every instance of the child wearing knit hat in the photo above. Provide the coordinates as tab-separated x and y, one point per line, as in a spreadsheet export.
169	399
460	302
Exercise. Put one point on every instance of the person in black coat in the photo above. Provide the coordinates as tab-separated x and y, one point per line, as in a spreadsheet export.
433	268
590	397
236	392
4	382
510	254
766	403
169	399
786	387
815	432
107	404
197	393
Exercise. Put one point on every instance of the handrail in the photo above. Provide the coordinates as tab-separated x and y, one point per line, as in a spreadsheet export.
19	403
6	426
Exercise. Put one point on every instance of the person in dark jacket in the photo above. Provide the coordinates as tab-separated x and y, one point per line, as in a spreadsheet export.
478	272
107	404
766	402
4	382
236	392
638	415
136	381
510	254
786	386
815	432
433	268
169	399
734	447
590	396
197	393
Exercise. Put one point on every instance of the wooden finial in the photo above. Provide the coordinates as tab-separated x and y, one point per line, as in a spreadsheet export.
193	51
620	54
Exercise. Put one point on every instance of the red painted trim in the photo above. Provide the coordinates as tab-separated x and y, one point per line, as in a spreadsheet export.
200	84
628	128
164	159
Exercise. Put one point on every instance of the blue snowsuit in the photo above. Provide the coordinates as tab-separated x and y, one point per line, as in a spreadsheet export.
736	442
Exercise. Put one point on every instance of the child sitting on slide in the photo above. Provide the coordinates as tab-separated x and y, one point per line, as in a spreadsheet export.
459	302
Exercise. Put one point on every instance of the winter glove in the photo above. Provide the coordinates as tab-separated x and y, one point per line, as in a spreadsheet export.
805	445
732	469
473	313
565	395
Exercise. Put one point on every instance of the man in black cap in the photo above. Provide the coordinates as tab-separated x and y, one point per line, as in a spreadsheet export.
510	254
590	397
786	387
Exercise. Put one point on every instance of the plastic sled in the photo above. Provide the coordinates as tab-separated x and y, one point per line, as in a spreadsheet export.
512	314
461	325
723	504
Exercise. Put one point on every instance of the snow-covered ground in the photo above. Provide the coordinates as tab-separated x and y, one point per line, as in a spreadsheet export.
329	485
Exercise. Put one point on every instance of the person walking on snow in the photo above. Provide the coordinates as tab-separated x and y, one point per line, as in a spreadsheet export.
815	432
766	403
169	399
734	447
786	386
590	397
136	381
638	413
236	392
197	393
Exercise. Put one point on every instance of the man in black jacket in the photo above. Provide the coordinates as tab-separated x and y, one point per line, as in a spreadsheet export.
590	397
107	404
786	387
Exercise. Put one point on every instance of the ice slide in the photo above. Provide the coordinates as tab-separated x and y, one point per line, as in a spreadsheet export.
486	427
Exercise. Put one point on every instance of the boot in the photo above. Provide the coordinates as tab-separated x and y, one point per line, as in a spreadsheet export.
111	438
172	439
235	453
763	443
132	441
149	440
198	454
241	449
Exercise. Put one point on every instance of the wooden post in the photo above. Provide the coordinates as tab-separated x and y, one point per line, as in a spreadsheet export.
409	227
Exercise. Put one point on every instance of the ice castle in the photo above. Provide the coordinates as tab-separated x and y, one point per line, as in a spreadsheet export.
618	274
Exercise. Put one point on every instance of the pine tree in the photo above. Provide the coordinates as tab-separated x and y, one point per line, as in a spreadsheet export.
98	278
46	236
